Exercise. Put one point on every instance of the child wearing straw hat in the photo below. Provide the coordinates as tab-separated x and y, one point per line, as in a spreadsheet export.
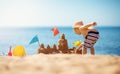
90	35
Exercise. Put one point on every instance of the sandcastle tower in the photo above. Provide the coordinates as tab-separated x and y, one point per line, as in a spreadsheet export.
62	44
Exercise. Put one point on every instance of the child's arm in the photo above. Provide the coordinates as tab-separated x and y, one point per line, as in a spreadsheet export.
89	25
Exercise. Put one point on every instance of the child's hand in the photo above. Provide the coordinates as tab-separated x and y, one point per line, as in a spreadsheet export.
94	23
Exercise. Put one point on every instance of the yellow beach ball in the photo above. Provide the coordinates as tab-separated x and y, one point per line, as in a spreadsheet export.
19	51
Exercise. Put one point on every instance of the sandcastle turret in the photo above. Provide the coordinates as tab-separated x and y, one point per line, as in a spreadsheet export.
54	49
48	47
41	49
62	44
42	46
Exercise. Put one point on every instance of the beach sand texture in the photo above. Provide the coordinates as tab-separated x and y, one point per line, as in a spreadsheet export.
60	64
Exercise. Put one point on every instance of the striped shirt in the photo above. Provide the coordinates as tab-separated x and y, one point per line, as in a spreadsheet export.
90	39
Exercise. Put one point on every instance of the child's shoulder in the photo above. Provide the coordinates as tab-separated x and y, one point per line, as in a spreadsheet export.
83	28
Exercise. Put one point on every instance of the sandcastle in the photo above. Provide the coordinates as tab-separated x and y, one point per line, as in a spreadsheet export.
61	48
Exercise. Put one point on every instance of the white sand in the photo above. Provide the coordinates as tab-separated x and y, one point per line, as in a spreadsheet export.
60	64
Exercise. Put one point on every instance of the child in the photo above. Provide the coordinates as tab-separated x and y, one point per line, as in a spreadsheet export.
90	35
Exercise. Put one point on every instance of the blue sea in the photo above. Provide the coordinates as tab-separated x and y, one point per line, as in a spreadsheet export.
108	43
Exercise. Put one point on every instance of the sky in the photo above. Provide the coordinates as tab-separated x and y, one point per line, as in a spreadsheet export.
29	13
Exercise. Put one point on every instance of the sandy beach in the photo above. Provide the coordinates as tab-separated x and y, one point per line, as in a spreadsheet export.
60	64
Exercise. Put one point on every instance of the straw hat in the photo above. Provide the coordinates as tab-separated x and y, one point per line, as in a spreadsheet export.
78	24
